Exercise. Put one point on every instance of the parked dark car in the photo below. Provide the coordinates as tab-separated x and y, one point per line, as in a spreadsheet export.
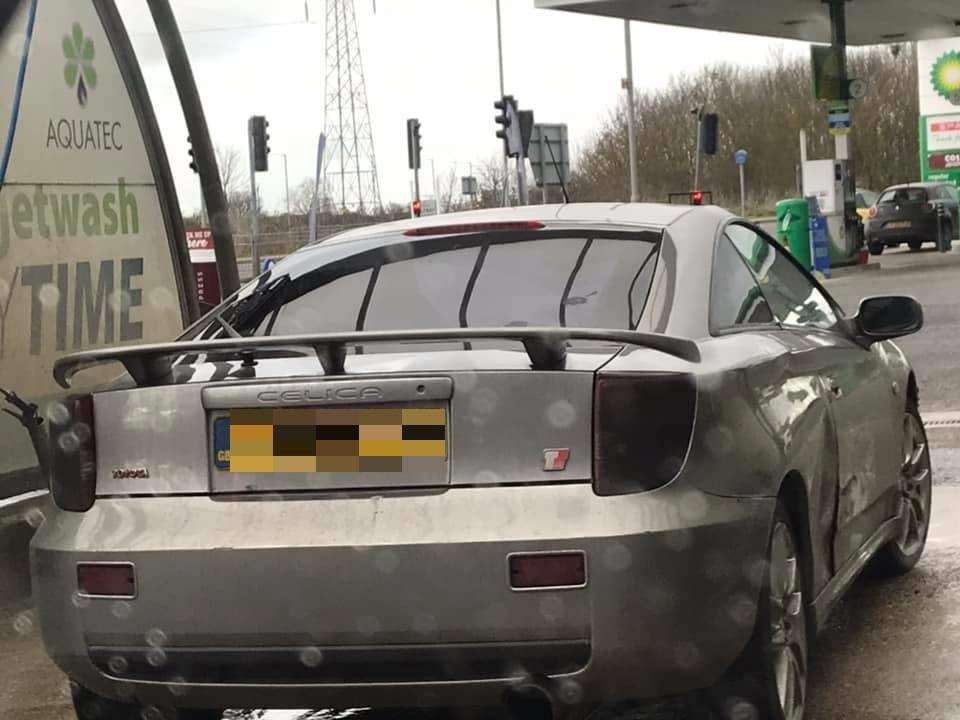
912	214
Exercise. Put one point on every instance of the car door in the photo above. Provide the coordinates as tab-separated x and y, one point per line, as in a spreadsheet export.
859	388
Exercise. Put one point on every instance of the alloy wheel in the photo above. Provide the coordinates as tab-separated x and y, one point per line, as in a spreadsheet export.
914	487
787	624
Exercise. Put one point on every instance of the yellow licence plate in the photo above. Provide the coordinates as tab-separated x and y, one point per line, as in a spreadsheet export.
308	440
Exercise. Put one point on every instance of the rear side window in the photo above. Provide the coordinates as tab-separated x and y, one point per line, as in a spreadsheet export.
735	297
793	297
501	280
904	195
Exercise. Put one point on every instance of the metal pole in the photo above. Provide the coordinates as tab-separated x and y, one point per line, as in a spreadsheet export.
631	118
696	170
743	191
436	193
286	185
522	198
214	197
254	211
506	167
204	218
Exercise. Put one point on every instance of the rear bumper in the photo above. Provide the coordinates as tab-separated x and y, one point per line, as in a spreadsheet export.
401	601
924	230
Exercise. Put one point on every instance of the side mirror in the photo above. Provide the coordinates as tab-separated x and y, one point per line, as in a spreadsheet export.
888	317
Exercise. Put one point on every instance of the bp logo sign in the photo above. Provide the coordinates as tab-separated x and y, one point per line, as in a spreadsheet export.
78	70
945	77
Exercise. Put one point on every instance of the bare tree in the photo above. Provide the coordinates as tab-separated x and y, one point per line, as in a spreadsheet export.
228	162
301	196
762	110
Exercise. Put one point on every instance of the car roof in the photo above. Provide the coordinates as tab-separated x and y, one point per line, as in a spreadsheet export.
648	215
921	185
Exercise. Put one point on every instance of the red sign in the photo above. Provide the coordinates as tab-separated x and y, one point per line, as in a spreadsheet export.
204	261
944	161
945	126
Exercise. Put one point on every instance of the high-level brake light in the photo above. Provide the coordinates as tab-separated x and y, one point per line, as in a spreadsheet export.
464	228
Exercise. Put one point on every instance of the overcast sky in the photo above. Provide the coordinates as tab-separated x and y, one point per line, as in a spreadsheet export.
431	59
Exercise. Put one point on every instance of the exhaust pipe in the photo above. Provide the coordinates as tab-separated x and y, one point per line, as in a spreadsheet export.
531	699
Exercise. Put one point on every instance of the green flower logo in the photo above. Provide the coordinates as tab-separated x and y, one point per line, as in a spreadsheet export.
79	69
946	77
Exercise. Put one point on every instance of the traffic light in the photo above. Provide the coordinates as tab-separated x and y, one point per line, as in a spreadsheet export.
258	135
696	197
710	131
193	158
510	132
413	144
417	208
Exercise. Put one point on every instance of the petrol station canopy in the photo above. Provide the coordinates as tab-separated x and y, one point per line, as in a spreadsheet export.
869	22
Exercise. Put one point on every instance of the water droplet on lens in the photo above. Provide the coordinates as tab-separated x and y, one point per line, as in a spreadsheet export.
49	295
561	414
121	609
118	665
156	637
571	692
57	413
178	686
82	431
617	556
160	298
368	625
387	561
34	517
687	655
156	657
311	656
151	713
23	623
552	608
739	709
677	540
78	600
424	623
68	442
720	440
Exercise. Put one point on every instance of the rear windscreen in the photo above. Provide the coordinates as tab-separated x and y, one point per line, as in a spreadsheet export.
471	281
909	195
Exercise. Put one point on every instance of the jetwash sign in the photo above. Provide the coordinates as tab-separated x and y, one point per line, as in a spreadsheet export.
939	65
88	252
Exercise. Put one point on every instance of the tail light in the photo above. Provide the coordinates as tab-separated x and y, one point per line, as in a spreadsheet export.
929	207
641	430
872	212
73	453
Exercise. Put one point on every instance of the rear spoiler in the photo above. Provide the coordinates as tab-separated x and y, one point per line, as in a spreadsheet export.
547	348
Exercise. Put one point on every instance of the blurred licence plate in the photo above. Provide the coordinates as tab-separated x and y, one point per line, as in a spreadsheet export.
311	440
898	225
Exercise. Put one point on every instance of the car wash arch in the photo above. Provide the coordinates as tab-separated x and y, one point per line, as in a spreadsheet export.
835	25
92	246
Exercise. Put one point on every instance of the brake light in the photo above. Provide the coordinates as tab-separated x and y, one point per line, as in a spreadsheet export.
114	580
641	430
463	228
73	456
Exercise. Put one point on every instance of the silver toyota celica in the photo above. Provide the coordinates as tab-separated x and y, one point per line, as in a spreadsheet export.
557	458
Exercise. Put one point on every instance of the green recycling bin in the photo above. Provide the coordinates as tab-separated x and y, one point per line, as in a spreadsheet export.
793	229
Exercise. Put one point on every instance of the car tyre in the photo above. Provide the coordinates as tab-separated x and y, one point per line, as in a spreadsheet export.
915	244
90	706
876	248
901	554
770	679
